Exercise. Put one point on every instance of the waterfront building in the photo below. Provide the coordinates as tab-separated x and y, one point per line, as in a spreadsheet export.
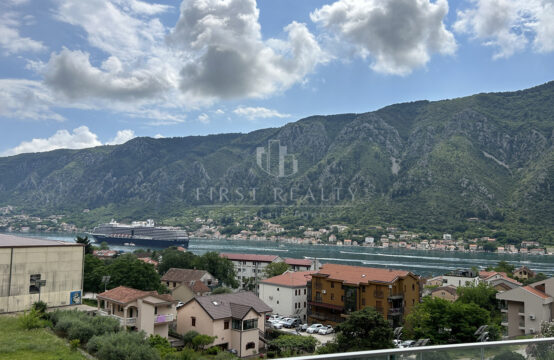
140	310
461	278
525	308
236	320
35	269
175	277
302	264
523	273
287	293
250	265
448	293
338	290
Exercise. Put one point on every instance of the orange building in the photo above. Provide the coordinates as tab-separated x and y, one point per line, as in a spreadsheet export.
338	290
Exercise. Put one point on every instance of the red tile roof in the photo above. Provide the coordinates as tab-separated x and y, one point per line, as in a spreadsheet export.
249	257
291	278
124	295
488	274
360	274
149	261
199	287
534	291
298	262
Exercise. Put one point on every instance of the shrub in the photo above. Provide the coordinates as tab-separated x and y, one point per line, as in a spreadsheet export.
201	341
122	345
74	344
509	355
31	320
187	338
214	350
80	330
40	307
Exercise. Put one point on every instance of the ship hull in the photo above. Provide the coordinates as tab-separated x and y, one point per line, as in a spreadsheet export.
161	244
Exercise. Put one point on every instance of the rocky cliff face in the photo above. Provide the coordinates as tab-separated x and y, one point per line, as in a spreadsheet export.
484	155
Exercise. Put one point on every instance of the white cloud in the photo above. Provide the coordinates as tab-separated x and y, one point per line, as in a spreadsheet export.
509	25
122	137
398	35
79	138
219	112
10	39
26	100
252	113
227	57
204	118
71	73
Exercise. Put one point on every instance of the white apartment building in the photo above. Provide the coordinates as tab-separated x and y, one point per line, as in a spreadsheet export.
525	308
461	278
250	265
287	293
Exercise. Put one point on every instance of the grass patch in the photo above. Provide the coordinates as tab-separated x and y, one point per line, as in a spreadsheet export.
17	343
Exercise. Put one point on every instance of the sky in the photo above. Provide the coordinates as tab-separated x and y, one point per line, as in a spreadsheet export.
77	74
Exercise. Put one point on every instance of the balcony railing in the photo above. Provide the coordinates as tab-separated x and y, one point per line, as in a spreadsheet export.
164	318
130	321
468	351
395	311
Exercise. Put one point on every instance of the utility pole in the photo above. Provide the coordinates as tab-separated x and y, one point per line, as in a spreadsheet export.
39	284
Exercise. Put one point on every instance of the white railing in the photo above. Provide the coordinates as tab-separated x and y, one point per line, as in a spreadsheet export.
130	321
163	318
482	350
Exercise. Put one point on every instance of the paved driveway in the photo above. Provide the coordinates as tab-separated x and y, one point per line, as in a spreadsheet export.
323	339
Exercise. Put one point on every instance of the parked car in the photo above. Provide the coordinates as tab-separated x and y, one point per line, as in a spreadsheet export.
407	343
328	329
276	324
179	304
397	343
291	322
314	328
274	317
304	327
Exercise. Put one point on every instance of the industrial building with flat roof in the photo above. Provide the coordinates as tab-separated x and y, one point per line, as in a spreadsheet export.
35	269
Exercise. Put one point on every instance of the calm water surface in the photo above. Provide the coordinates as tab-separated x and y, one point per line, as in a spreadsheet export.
425	263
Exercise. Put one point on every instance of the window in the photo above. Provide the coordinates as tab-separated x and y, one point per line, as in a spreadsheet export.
277	289
304	306
226	325
296	305
33	288
413	301
174	284
363	301
250	324
244	263
332	296
363	288
332	285
413	286
167	283
192	321
250	345
155	310
304	291
277	302
342	298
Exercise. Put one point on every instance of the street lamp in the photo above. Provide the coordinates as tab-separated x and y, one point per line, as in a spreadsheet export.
482	336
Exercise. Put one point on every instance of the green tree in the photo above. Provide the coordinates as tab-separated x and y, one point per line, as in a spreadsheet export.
127	270
85	241
221	290
93	272
363	330
220	267
506	267
442	321
276	268
173	258
483	295
104	246
200	341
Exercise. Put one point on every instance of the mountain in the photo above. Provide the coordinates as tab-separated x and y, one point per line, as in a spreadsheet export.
426	165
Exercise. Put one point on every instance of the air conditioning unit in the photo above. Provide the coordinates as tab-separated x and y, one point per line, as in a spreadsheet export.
324	291
532	317
531	331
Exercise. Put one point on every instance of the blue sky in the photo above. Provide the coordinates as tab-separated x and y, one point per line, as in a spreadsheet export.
79	73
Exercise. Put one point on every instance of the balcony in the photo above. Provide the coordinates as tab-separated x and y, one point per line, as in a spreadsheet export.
379	294
164	318
395	311
130	321
396	296
470	351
